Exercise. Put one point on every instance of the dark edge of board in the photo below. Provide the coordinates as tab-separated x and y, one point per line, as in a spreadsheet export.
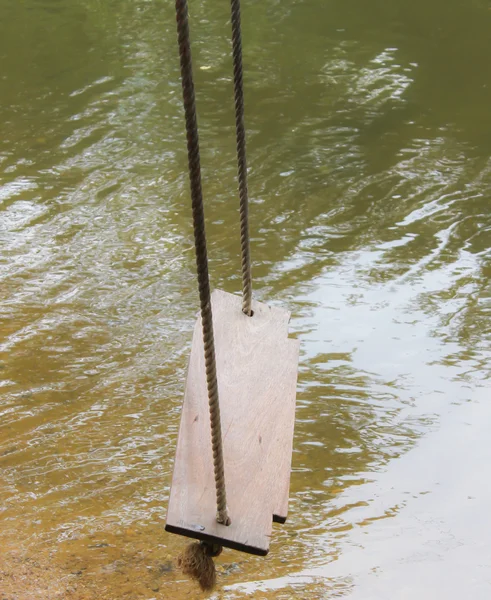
279	519
198	535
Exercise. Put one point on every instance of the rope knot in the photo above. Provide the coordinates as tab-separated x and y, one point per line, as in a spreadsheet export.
196	560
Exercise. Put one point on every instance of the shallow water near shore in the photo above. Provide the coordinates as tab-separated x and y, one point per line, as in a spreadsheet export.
369	147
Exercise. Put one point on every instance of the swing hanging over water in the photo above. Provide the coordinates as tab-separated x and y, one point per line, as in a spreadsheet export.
232	466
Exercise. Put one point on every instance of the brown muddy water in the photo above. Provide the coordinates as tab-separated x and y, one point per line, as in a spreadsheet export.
369	140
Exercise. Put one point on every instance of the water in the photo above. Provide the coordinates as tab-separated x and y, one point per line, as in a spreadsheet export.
369	151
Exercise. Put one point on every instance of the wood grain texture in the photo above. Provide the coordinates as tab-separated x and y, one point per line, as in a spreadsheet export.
257	377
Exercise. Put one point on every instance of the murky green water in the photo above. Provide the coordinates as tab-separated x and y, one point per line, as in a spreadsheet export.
369	146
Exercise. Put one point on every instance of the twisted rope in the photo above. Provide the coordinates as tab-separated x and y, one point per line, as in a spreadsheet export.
241	159
201	254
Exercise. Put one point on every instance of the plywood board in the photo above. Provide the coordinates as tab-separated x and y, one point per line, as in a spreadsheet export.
257	376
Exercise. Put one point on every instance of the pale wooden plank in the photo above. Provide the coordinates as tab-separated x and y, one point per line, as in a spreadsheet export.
257	375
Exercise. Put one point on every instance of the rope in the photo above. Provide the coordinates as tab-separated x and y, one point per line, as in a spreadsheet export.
201	254
196	560
241	160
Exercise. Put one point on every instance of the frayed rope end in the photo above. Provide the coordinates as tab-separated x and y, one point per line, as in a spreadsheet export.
196	560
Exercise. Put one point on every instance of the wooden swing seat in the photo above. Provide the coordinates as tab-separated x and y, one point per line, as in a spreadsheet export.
257	378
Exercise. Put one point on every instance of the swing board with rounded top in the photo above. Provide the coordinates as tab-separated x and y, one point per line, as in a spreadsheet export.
257	376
